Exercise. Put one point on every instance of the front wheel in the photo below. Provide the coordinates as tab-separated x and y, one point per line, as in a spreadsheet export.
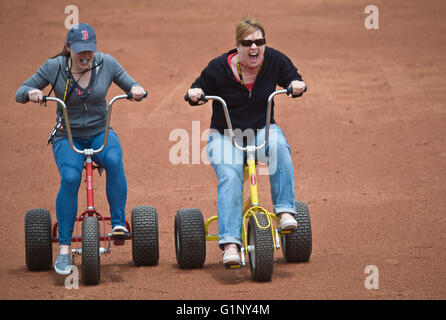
91	263
260	248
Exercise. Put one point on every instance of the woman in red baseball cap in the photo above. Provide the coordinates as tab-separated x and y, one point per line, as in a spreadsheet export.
81	77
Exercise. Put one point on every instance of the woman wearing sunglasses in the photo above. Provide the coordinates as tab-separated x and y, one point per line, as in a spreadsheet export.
244	77
81	77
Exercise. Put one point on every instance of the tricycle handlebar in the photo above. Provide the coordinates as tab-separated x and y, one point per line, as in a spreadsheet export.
107	122
205	98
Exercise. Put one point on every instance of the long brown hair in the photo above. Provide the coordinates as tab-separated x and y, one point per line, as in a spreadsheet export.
64	52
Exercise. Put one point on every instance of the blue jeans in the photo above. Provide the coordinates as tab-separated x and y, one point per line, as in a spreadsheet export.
227	162
71	164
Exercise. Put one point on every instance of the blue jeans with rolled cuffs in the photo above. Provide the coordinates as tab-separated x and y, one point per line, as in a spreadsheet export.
227	162
70	165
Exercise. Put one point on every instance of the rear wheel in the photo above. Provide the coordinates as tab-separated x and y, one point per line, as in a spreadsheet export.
260	249
190	238
38	240
145	248
91	262
297	245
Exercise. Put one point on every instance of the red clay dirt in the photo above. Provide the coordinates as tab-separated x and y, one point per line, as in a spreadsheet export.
368	143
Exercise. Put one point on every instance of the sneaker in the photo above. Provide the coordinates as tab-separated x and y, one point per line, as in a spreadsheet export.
63	264
287	222
230	255
119	235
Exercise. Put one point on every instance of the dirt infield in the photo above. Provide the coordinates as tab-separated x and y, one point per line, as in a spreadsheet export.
368	143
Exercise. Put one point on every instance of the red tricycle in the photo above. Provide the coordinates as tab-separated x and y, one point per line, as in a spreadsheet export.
40	234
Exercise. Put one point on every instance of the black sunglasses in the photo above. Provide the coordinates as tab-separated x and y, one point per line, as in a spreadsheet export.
248	43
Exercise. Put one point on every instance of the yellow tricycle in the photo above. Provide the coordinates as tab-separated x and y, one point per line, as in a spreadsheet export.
260	235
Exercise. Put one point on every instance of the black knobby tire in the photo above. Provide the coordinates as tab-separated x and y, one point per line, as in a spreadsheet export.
190	238
261	259
297	245
145	247
38	240
91	261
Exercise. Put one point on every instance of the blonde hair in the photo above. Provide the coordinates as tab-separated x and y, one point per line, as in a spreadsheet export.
246	26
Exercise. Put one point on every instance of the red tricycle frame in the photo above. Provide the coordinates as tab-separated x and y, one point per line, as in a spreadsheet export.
90	211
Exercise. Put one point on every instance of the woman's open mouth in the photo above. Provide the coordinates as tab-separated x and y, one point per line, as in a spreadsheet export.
253	57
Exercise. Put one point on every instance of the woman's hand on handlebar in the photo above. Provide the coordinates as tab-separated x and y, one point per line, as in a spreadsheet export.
35	96
298	87
138	93
195	94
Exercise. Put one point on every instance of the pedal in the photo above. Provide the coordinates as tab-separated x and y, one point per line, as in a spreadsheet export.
119	242
232	266
119	237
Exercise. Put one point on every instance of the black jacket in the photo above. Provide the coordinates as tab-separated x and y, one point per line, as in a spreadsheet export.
247	110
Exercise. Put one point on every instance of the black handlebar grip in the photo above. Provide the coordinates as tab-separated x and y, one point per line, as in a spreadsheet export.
289	91
130	96
187	98
44	100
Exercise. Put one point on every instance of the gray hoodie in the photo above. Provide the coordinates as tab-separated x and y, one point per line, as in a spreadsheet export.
87	118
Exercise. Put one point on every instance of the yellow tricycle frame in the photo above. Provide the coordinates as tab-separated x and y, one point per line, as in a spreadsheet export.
251	205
